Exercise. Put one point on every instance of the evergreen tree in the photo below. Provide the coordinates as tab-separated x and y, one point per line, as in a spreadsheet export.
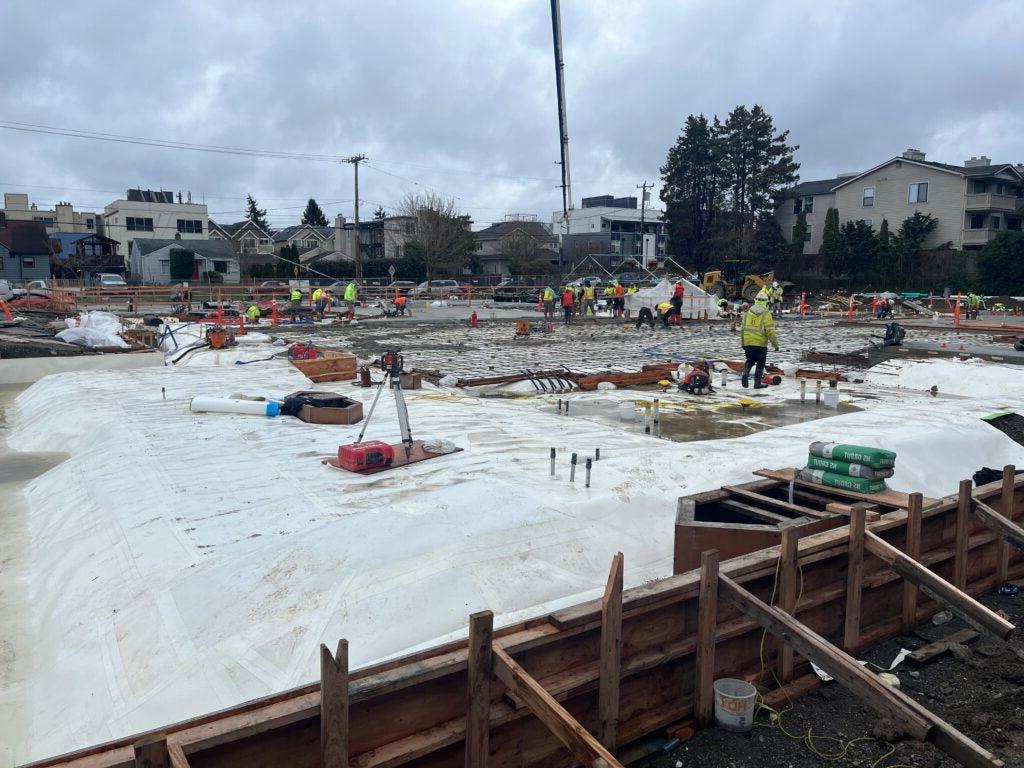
1001	264
831	252
769	246
860	253
380	214
907	247
313	216
692	187
255	214
799	234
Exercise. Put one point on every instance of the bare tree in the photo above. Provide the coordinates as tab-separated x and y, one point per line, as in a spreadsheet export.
519	250
442	239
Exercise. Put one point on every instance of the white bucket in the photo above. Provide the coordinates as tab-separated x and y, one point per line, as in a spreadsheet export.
627	412
734	704
830	397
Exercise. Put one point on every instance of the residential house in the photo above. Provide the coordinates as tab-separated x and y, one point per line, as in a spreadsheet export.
80	256
25	250
518	236
149	215
253	244
609	230
340	246
61	218
150	259
305	237
386	238
971	203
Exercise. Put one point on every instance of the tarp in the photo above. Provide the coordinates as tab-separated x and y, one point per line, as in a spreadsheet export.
697	304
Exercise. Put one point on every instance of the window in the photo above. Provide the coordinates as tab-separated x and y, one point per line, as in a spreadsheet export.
616	246
194	226
28	262
137	224
90	223
165	266
996	222
248	244
47	220
869	222
810	229
918	192
808	204
999	188
220	266
977	220
312	243
978	187
869	197
264	241
798	204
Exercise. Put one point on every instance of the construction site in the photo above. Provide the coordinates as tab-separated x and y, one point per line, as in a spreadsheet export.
470	536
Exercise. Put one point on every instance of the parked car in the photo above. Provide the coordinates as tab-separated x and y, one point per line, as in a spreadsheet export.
404	286
439	288
596	283
6	292
271	286
110	280
35	286
509	290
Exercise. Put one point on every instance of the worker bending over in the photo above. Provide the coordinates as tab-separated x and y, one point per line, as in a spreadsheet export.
758	329
253	313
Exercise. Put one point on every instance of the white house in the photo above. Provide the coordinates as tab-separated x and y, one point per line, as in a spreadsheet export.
149	215
151	260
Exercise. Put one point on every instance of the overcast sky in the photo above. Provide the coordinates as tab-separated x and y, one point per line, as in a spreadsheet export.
458	96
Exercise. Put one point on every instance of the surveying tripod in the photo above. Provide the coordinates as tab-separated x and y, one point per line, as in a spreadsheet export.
391	363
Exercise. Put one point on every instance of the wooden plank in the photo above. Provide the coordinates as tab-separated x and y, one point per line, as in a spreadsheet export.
584	747
334	706
863	684
749	510
757	498
939	648
151	752
854	578
478	690
937	588
889	498
912	549
963	534
707	623
1006	507
176	755
1009	532
788	576
870	512
611	657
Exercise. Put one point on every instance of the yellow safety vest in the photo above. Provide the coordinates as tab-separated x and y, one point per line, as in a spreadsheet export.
317	294
588	292
296	295
549	295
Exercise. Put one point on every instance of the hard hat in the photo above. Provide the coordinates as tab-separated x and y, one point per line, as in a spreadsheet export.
775	283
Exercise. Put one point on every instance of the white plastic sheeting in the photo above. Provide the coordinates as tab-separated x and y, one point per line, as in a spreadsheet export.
94	329
697	304
178	563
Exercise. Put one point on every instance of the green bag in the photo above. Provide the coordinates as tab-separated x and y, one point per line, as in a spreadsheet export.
848	468
876	458
832	480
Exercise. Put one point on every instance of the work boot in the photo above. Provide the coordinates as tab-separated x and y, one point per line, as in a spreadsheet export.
760	385
745	380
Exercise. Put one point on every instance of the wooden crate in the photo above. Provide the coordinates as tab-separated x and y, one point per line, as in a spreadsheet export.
330	366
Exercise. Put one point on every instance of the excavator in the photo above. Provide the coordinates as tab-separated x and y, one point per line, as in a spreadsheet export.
732	280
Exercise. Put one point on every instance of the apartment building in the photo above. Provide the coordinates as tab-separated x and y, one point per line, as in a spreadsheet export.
610	230
148	215
972	203
61	218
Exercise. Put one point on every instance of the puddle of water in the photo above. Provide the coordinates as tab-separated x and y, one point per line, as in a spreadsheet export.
690	420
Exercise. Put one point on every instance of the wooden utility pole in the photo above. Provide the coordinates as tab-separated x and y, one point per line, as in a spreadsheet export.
355	160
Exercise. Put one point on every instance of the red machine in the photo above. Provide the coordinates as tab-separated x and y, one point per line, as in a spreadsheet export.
368	455
299	351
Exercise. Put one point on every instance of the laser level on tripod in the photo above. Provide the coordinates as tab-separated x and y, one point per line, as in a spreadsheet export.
374	453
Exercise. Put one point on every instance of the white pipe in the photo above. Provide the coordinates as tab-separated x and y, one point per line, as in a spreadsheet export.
210	404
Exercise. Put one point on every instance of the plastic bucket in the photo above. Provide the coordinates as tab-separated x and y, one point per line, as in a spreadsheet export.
627	412
734	704
830	397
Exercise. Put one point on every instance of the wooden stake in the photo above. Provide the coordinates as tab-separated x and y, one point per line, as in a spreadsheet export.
963	535
567	729
1007	529
1006	507
176	755
334	706
611	657
862	683
707	623
788	576
912	549
478	691
854	578
937	588
151	752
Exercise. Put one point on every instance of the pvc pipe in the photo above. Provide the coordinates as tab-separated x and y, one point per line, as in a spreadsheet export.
657	413
588	472
552	462
572	469
817	392
597	454
803	390
210	404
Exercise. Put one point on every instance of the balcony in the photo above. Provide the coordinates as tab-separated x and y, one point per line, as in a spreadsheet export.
979	236
991	202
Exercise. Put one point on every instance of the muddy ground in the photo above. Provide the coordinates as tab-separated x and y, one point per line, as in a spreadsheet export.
980	691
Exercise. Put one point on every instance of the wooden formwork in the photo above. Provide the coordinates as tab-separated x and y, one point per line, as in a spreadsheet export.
574	685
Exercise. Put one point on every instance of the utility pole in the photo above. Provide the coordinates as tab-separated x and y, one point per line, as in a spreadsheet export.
563	123
356	160
643	210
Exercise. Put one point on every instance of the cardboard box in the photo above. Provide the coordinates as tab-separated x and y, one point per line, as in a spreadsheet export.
342	410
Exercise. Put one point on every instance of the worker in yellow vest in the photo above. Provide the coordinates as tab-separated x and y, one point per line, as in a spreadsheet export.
548	299
318	301
296	297
757	330
588	300
253	313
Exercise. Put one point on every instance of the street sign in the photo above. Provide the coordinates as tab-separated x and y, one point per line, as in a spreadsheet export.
391	271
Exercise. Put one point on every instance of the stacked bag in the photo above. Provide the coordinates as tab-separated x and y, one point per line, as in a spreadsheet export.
852	467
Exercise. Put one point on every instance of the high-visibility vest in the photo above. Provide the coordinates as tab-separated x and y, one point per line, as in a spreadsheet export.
253	312
549	295
588	292
350	292
296	295
317	293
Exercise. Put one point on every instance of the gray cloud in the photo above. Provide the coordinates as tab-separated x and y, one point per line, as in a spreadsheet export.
459	96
